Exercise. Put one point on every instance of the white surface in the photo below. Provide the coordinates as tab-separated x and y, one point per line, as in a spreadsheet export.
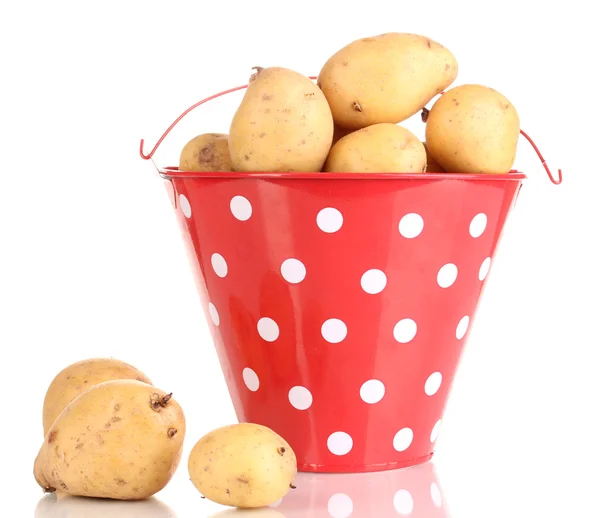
93	264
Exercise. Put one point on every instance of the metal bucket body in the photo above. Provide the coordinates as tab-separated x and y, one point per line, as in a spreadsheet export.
340	305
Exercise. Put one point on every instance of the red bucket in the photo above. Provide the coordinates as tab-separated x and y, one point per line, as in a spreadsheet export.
340	303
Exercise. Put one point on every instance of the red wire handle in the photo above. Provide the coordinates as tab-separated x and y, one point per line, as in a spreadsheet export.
543	160
176	121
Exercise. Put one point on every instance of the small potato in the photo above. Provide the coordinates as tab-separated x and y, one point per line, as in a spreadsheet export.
120	440
207	152
385	78
381	148
473	129
283	124
243	465
81	376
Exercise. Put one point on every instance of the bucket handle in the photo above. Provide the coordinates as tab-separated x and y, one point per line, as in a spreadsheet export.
555	181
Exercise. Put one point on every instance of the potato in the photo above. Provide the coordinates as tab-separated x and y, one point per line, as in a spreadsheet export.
206	152
79	377
473	129
386	78
381	148
432	165
121	440
243	465
283	124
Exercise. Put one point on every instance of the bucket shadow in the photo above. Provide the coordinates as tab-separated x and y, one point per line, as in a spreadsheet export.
414	492
63	506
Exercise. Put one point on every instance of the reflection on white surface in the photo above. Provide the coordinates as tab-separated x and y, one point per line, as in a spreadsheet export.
53	506
249	513
413	492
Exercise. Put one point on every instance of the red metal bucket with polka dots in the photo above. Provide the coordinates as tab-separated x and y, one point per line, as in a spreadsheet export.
340	303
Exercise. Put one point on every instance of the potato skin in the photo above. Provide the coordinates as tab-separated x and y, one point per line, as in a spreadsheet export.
473	129
81	376
385	78
283	124
208	152
121	440
243	465
381	148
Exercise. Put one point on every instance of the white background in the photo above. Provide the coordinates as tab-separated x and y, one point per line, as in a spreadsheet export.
92	262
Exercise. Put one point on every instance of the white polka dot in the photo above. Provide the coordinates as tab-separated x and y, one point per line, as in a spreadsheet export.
447	275
251	379
276	503
403	439
219	265
240	208
372	391
405	330
462	327
433	384
436	495
214	314
340	505
339	443
435	432
334	330
411	225
186	208
268	329
478	224
293	271
373	281
485	268
403	502
300	398
330	220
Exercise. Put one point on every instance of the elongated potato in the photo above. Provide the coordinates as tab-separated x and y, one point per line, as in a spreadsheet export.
243	465
207	152
283	124
385	78
81	376
121	440
473	129
381	148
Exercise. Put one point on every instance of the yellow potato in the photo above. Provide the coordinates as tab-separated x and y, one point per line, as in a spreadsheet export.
206	152
381	148
283	124
473	129
120	439
79	377
243	465
432	165
386	78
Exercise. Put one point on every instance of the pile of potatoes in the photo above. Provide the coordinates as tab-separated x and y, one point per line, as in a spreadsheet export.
349	121
109	433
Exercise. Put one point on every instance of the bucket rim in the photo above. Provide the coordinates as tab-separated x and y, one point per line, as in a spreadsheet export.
173	172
